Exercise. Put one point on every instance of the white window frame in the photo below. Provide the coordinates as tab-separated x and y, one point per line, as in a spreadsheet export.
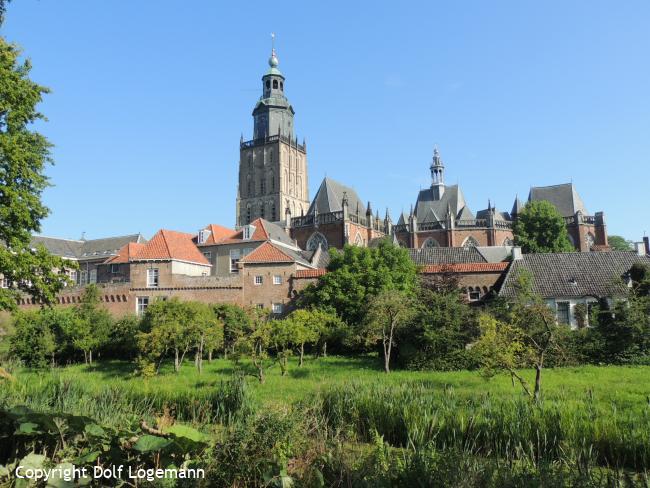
247	232
153	278
568	311
83	277
5	283
141	304
115	268
235	256
277	279
277	308
258	280
92	276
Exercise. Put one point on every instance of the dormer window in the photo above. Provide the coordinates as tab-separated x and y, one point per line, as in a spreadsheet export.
203	236
248	232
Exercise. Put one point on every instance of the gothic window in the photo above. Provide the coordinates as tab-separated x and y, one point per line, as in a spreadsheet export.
249	190
248	214
358	241
275	84
273	216
315	240
262	209
470	242
262	185
430	242
589	240
272	180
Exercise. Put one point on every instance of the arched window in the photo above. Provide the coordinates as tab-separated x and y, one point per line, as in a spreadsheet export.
273	216
470	242
315	240
590	240
282	85
249	189
430	242
248	213
275	84
358	241
262	209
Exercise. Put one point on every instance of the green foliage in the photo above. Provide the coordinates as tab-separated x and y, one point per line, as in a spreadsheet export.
235	324
540	228
618	243
24	155
93	324
358	274
441	329
32	341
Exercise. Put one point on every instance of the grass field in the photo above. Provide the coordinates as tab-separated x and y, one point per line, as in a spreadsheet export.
626	387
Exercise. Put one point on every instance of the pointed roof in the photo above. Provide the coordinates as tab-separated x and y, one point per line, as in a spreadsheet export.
125	254
564	197
517	207
264	231
430	216
403	219
171	245
329	197
267	253
217	234
452	198
465	214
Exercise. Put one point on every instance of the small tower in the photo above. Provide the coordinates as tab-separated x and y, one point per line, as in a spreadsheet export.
437	175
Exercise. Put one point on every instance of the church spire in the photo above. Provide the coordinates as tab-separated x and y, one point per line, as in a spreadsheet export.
437	175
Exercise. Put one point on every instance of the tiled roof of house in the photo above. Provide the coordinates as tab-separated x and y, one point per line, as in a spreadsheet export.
575	274
310	273
268	253
218	233
169	244
125	254
465	268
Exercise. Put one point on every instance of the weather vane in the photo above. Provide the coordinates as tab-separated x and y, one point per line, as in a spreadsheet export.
273	41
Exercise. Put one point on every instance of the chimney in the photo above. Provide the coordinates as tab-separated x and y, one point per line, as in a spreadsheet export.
646	242
640	248
516	253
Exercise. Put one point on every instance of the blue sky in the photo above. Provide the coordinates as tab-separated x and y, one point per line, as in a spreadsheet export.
149	99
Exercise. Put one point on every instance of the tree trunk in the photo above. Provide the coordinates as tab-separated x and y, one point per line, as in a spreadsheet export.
176	362
200	354
325	349
210	356
90	357
302	354
260	374
85	357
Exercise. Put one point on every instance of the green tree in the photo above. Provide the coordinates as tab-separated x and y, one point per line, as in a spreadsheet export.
310	325
32	341
93	325
540	228
256	340
441	328
235	324
358	274
618	243
388	312
24	155
207	330
526	338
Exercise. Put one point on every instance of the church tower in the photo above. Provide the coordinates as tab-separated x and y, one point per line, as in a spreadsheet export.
272	166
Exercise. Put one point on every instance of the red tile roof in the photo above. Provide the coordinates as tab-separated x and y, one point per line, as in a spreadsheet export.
219	233
267	253
465	268
310	273
125	253
169	244
260	233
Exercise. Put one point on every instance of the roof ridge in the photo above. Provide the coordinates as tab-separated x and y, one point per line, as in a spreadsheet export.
59	238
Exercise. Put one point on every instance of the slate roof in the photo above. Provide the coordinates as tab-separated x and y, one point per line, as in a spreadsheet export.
498	215
264	231
495	254
564	197
465	268
446	255
329	197
575	274
451	198
168	245
86	249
